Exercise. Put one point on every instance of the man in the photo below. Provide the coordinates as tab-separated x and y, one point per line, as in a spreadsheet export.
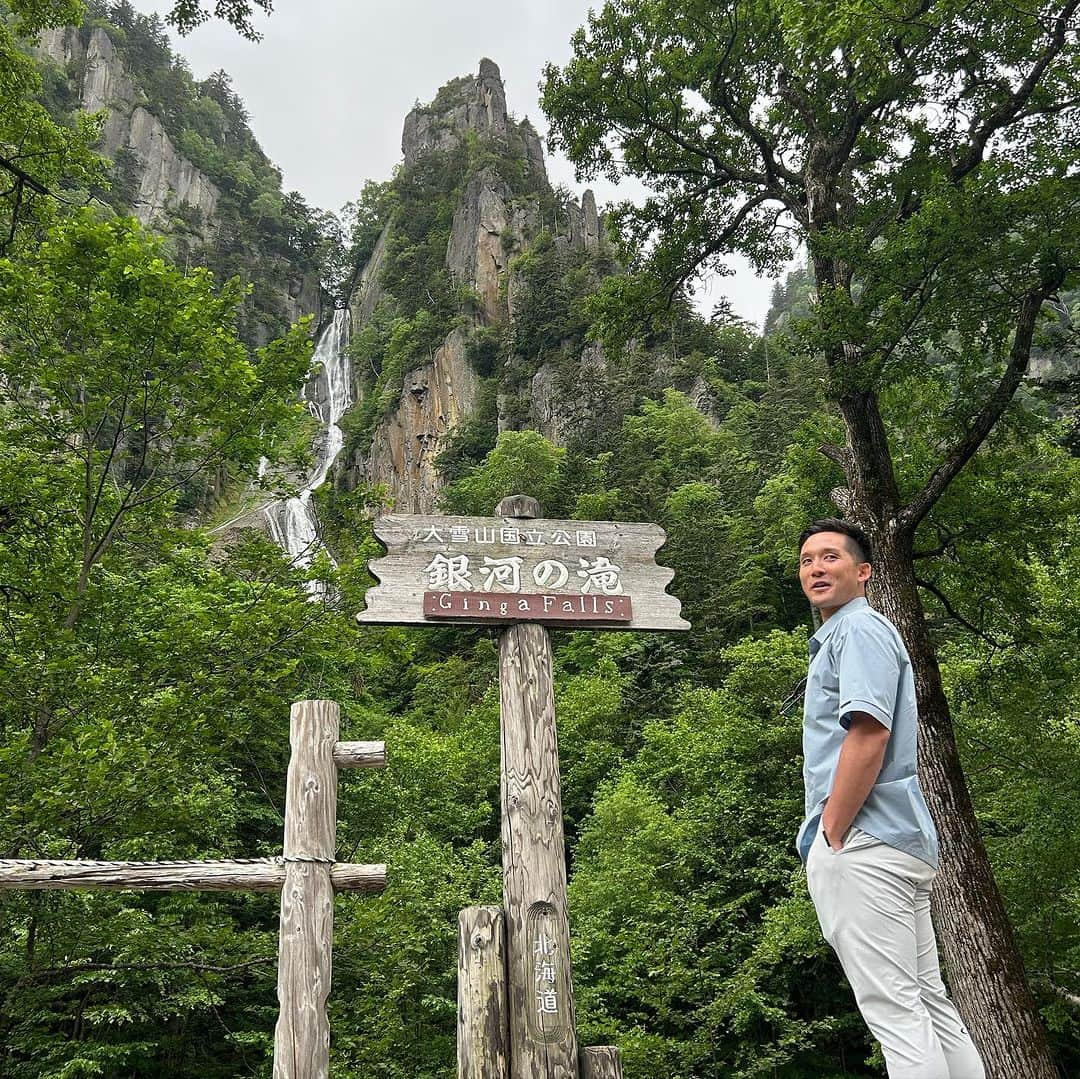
868	842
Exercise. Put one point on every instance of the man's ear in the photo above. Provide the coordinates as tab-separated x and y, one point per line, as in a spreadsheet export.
866	571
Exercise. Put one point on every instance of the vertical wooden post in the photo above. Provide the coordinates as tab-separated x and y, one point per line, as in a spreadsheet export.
483	1027
543	1042
601	1062
302	1035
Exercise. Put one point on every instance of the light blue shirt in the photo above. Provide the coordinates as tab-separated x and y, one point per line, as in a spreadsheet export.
858	663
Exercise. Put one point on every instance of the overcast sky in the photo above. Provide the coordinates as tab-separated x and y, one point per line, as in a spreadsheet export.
330	83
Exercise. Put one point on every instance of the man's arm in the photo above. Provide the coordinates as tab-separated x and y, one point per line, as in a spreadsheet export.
856	772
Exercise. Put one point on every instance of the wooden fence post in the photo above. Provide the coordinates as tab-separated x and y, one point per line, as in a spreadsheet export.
302	1035
543	1041
307	878
483	1029
601	1062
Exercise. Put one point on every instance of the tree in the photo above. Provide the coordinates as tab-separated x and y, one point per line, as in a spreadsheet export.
39	157
185	15
125	381
923	152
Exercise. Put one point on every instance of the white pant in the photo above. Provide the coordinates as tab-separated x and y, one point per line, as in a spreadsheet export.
873	903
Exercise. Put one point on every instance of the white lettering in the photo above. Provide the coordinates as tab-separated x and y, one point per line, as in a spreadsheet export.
546	1002
449	572
504	572
551	573
601	575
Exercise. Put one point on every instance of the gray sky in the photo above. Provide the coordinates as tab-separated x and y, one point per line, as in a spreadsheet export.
329	85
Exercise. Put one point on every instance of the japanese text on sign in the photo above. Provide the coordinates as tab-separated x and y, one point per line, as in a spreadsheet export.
547	995
509	535
454	572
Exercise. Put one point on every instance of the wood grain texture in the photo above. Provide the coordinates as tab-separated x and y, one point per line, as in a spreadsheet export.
302	1035
243	874
311	786
601	1062
543	1039
518	507
360	754
254	874
353	877
399	596
483	1046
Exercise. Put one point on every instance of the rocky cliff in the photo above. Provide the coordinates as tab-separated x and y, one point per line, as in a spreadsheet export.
505	204
186	163
162	178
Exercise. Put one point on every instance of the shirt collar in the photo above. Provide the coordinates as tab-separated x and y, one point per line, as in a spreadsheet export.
826	629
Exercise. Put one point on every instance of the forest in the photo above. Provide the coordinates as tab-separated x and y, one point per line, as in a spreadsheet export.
917	372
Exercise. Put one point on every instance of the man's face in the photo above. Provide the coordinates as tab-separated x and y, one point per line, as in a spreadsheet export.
830	573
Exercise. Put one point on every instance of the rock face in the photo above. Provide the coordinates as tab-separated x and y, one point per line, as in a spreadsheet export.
166	177
491	226
368	290
435	399
163	179
477	255
469	104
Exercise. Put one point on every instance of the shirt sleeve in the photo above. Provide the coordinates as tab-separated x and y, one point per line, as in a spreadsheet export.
868	665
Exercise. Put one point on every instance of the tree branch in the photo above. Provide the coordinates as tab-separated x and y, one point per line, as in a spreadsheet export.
1010	109
720	242
954	614
983	423
836	454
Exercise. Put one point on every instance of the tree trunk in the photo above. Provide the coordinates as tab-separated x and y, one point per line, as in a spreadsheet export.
986	972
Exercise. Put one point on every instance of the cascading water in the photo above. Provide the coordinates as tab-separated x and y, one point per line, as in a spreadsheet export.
328	393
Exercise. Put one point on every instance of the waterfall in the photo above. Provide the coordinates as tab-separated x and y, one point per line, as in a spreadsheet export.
293	524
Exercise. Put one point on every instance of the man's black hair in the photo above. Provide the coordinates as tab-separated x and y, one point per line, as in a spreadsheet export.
858	543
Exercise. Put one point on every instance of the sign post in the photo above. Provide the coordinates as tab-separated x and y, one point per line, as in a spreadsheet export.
307	877
524	573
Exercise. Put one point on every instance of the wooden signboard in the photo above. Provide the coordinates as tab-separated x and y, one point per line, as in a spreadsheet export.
484	570
516	996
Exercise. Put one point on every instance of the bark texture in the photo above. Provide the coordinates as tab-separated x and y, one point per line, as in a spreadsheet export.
483	1040
985	970
543	1041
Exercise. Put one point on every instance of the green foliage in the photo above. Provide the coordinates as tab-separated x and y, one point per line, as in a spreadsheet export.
147	687
696	946
522	461
143	679
187	14
469	442
547	320
41	158
389	347
140	367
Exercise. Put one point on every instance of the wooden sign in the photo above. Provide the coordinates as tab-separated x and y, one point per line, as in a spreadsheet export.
484	570
516	1016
